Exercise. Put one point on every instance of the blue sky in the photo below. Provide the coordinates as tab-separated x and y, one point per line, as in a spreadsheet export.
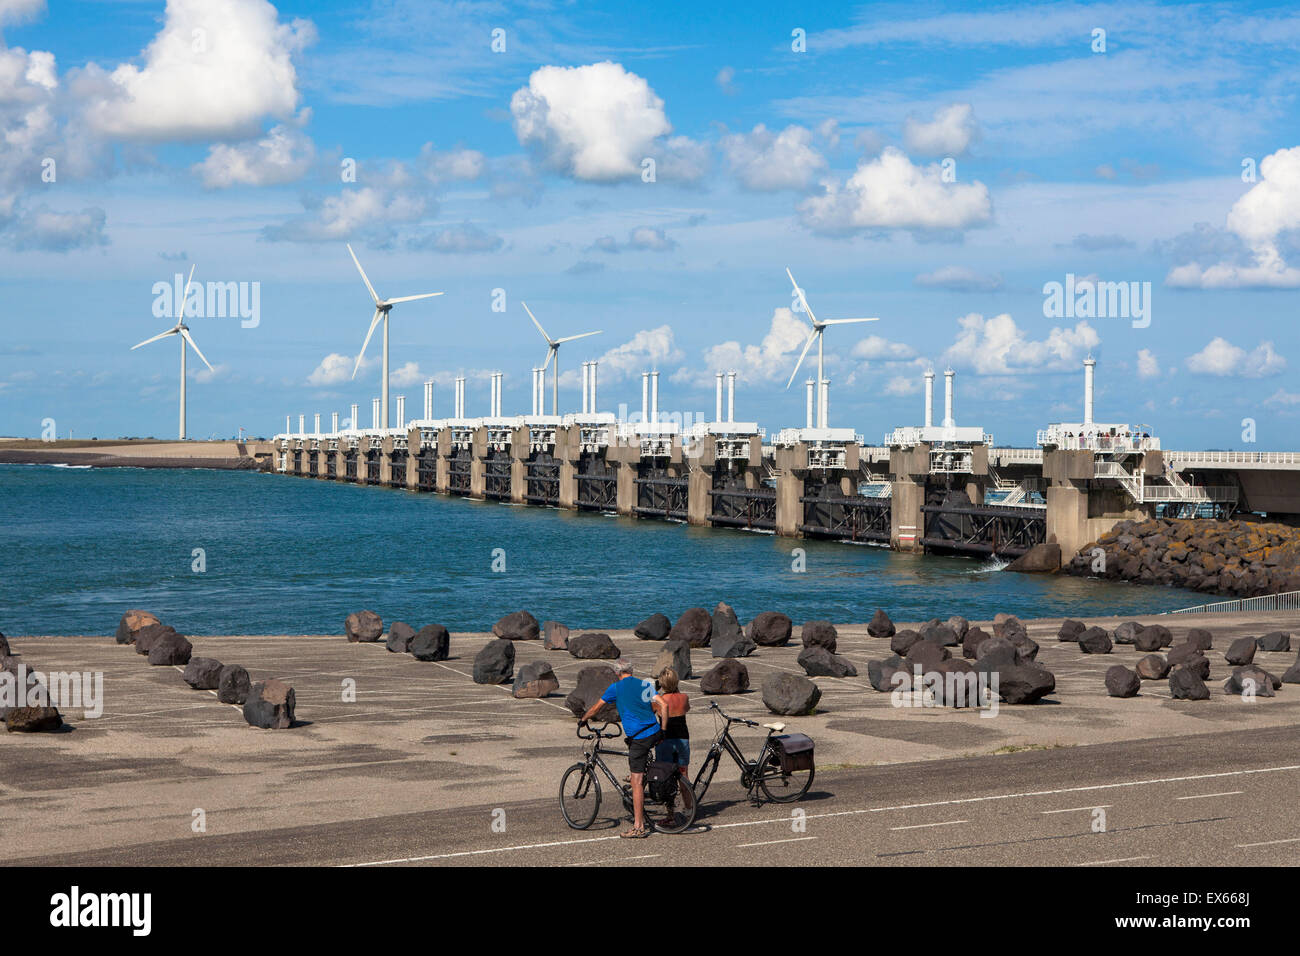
933	165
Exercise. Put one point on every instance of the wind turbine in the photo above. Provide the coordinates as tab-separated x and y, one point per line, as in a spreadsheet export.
183	331
553	351
382	308
818	330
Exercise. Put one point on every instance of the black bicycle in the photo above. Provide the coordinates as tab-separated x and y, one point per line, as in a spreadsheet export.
784	768
580	788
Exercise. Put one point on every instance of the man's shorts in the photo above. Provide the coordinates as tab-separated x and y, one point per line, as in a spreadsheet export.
638	751
674	751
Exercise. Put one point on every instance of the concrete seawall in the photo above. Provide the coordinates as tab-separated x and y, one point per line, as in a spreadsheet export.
220	455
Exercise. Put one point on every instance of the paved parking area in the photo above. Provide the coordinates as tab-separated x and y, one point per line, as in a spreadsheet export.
423	737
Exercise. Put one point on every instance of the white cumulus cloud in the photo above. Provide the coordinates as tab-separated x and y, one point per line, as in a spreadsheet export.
1148	366
950	133
766	161
998	346
283	156
1220	357
889	192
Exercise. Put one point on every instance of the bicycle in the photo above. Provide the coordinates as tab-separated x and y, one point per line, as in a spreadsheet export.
580	790
770	773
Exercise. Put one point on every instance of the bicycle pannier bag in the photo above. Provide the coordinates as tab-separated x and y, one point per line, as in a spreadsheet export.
661	775
795	752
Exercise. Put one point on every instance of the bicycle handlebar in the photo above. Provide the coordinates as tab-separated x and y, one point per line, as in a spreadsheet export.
729	718
598	730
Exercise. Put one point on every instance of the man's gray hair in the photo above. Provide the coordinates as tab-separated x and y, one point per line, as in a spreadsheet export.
624	666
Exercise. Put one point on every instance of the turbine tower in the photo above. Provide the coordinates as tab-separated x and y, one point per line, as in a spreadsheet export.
182	331
382	308
553	351
818	330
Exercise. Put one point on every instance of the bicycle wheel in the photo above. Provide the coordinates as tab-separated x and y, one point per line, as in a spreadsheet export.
705	776
681	807
782	787
580	796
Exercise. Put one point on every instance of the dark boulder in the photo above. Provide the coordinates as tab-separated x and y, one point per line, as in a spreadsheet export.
1251	680
1241	651
233	685
770	629
131	623
170	650
1005	625
1127	633
881	674
4	646
270	705
654	628
1153	667
535	679
1274	641
819	634
555	636
971	642
880	625
433	643
1095	640
790	694
957	684
695	627
32	720
940	634
959	625
996	653
1199	638
1071	630
1148	640
399	639
1182	653
1040	559
1122	682
495	663
1158	632
150	634
1024	683
517	626
1186	684
1198	664
203	673
592	682
726	630
725	677
819	662
676	654
594	647
1292	674
731	644
902	641
927	655
363	626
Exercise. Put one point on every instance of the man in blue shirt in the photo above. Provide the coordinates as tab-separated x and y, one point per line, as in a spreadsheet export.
639	713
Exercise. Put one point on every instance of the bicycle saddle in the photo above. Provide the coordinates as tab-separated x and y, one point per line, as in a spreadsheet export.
778	726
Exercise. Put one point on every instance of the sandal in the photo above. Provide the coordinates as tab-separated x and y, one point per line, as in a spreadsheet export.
635	833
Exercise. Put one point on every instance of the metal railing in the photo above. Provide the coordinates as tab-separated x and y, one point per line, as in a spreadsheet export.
1285	601
1185	458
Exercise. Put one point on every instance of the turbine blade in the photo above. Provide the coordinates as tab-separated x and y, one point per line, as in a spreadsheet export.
848	321
802	301
362	354
549	352
188	338
570	338
811	335
538	324
411	298
180	309
364	278
160	335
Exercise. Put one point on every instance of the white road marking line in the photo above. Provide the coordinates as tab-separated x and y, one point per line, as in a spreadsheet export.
1127	859
1100	806
1204	796
922	826
849	813
1247	846
741	846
